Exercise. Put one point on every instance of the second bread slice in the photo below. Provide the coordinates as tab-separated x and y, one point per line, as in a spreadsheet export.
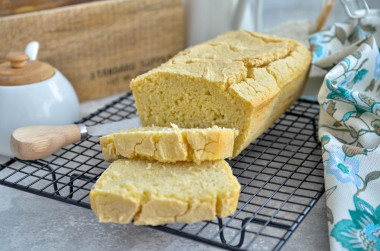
154	193
167	144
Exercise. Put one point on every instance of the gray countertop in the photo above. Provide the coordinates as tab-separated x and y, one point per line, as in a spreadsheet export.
31	222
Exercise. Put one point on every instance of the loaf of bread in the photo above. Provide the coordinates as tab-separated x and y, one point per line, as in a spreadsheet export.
169	144
238	80
155	193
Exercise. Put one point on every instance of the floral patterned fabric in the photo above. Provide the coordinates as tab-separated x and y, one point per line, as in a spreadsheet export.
349	130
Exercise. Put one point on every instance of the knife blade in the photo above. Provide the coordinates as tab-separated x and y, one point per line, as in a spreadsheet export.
37	142
103	129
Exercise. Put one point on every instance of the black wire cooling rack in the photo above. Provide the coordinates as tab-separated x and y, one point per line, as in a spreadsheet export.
281	175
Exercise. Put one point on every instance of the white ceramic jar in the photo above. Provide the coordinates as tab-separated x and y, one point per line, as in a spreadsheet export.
49	101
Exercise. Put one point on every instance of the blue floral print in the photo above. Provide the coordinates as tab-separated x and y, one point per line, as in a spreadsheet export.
344	168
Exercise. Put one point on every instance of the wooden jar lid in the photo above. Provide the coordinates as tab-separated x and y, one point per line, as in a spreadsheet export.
20	71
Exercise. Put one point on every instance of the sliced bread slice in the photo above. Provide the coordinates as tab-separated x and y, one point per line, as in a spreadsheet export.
169	144
154	193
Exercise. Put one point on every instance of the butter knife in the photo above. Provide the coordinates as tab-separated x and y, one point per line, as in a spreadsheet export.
37	142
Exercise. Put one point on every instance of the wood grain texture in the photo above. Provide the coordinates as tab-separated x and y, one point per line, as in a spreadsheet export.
10	7
99	46
37	142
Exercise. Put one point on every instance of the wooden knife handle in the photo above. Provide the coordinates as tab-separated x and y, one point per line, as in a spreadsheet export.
37	142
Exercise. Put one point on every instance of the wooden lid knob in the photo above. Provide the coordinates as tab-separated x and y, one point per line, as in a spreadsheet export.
17	59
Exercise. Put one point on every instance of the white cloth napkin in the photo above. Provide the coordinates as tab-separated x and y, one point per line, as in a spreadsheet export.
349	130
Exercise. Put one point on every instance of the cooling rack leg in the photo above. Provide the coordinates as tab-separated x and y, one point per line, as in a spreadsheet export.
74	177
242	233
53	175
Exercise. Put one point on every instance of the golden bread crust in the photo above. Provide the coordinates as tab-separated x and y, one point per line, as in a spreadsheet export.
239	80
